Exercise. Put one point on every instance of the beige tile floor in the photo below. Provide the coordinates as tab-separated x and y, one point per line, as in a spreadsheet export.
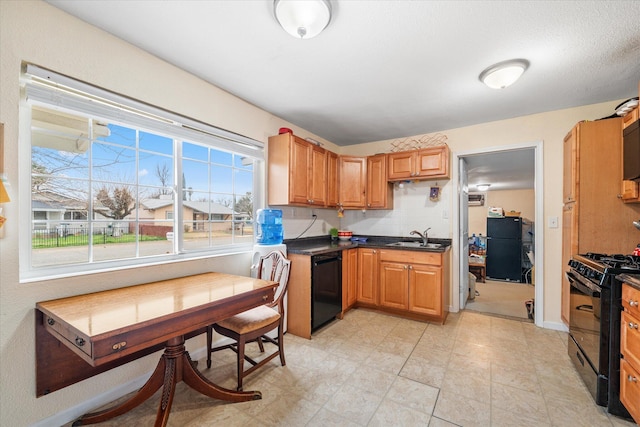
370	369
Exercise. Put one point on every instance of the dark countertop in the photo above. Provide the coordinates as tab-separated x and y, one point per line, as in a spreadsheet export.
323	244
631	279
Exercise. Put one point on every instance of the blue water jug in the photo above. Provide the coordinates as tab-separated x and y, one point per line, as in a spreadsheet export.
269	227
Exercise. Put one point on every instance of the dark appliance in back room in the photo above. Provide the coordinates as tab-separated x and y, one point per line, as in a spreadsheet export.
505	249
594	323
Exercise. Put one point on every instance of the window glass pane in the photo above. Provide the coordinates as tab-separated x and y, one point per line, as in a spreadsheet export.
221	179
195	151
155	170
156	238
155	143
113	163
195	175
113	240
221	157
119	135
243	182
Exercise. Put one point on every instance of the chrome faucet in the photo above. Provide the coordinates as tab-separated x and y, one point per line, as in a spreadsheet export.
424	235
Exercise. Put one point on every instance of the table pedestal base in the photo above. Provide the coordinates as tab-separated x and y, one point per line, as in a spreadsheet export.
174	366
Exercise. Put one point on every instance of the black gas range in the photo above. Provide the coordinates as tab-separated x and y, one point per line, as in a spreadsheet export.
594	323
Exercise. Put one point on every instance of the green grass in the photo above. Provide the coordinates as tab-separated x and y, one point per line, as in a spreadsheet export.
83	240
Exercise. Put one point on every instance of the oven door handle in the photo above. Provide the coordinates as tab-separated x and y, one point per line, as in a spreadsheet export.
583	285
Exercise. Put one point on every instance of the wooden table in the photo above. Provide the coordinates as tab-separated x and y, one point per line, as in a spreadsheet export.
479	270
109	328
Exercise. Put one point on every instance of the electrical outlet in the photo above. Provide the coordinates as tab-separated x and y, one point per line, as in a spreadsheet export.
553	222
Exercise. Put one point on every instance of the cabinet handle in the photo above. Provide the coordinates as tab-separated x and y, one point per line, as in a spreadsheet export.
410	267
632	379
633	303
51	322
619	196
79	342
633	325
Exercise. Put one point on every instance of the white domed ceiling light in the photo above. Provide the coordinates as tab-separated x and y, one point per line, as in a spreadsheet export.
302	19
503	74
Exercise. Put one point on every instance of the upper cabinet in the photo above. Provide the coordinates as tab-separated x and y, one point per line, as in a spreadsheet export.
569	180
332	179
297	172
352	182
427	163
379	189
630	189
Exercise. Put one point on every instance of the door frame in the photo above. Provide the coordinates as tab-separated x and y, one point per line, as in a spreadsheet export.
537	146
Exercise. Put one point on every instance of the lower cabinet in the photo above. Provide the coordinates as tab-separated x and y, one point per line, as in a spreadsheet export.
413	283
367	289
630	351
349	278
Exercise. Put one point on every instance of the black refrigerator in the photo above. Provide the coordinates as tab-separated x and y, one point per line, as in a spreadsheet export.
504	248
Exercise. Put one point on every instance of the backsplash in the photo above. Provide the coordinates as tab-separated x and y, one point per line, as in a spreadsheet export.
412	210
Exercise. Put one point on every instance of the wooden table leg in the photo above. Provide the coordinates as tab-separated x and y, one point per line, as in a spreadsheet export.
174	366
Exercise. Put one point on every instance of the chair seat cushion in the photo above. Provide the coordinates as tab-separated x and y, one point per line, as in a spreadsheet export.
251	320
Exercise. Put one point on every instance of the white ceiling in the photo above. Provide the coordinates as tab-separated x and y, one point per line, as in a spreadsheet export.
390	69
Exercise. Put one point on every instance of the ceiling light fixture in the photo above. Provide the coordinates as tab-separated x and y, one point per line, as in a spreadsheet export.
483	187
503	74
302	18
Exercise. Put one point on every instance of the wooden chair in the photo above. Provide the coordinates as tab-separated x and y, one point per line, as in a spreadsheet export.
253	325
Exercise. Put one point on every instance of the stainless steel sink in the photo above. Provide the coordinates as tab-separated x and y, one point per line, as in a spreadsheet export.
415	245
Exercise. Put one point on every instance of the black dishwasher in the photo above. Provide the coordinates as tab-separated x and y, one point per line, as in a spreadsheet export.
326	288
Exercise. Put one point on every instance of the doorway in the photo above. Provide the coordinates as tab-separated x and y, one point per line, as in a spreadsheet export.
514	173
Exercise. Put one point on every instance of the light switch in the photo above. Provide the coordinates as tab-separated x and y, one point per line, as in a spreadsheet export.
553	222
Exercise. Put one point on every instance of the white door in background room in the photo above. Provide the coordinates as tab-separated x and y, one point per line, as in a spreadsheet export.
463	227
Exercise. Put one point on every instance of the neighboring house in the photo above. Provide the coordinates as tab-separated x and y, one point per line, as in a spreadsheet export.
51	210
196	214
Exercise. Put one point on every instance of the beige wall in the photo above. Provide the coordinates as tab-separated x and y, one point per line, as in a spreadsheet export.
516	200
550	128
35	32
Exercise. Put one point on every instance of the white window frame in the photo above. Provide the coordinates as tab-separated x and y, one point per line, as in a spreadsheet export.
47	88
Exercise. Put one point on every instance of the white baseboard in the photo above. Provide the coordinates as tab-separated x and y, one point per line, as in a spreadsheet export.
556	326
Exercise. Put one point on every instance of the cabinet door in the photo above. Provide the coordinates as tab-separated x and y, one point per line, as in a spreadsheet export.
317	177
353	181
379	191
299	169
367	276
394	285
570	166
349	277
569	248
425	289
432	162
401	165
630	389
332	179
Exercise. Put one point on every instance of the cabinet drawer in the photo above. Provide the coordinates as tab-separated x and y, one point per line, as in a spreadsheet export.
631	300
75	340
630	338
411	257
630	389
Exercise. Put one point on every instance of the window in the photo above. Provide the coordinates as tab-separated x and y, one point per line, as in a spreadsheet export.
113	186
